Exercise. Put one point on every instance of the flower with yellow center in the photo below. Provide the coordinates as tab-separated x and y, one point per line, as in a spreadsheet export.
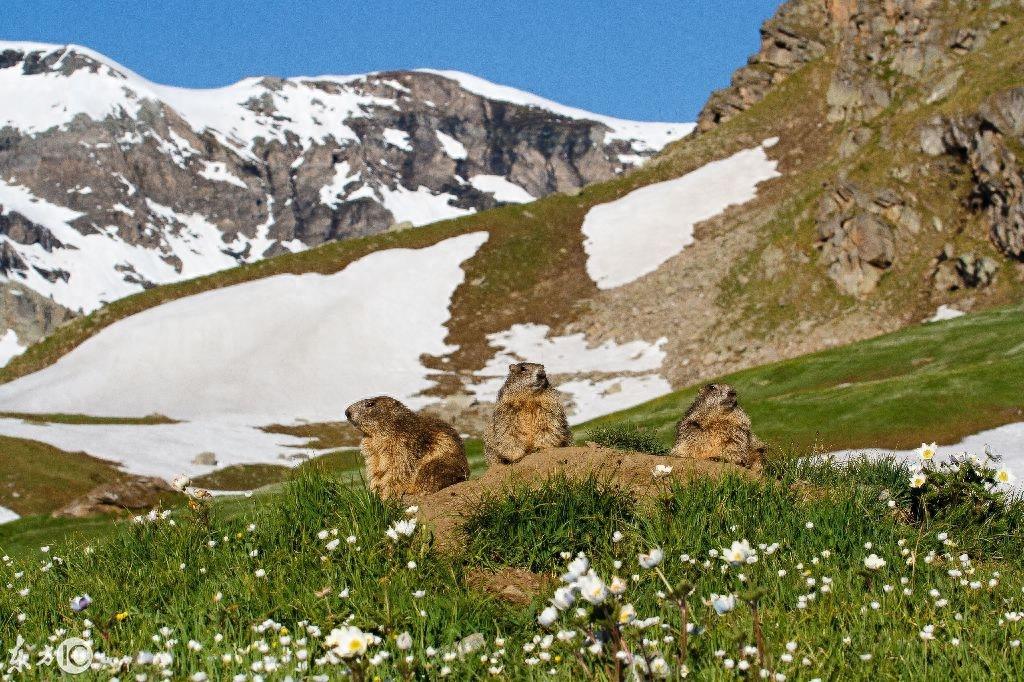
927	452
121	616
918	480
1004	476
347	641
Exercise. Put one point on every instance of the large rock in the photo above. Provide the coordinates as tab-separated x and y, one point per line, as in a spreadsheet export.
131	494
988	142
857	235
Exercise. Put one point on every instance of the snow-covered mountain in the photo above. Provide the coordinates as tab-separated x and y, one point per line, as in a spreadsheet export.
110	183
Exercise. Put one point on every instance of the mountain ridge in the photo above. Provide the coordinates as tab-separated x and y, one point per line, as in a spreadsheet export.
128	181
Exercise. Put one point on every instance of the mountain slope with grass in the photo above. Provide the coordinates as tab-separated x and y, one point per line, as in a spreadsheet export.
858	177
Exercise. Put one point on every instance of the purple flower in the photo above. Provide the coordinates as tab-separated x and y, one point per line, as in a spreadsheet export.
80	603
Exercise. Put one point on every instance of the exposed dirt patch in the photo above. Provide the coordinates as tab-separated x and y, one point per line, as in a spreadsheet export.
513	585
446	510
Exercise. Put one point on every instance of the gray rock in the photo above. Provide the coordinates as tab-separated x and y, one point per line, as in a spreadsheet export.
207	459
132	494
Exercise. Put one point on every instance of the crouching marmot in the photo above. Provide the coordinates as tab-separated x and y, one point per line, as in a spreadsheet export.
527	416
406	452
716	427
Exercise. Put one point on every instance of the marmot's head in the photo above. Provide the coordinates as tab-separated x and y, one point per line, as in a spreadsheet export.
526	377
714	399
374	415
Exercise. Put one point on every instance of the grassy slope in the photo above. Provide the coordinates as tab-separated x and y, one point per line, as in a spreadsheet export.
161	575
937	381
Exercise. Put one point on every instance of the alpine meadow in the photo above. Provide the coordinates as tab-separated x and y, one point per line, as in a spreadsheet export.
411	375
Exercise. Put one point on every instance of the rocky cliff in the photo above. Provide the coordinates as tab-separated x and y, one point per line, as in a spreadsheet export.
110	184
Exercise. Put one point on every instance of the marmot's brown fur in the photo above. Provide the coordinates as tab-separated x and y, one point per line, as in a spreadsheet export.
405	452
527	416
715	427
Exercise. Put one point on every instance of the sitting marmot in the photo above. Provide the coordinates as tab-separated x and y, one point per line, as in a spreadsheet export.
406	452
527	416
716	427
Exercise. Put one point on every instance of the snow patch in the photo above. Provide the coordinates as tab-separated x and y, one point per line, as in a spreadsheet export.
273	350
217	171
6	515
452	147
165	450
502	188
592	399
632	236
330	194
10	347
398	138
570	355
1005	441
945	312
419	207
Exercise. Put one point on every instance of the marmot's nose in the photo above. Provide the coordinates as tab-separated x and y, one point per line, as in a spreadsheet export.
348	413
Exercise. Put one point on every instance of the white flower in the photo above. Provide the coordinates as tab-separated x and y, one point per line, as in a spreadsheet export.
652	559
627	614
413	510
661	471
617	585
333	544
1004	476
739	553
927	452
79	604
577	568
723	603
563	598
592	588
927	633
180	482
347	641
659	668
617	536
548	616
402	528
918	480
260	573
874	562
404	641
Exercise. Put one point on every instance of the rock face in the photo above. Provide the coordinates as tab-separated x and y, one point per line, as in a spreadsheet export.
132	494
110	184
986	142
857	235
790	39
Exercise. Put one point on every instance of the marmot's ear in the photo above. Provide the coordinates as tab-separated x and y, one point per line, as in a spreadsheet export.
512	367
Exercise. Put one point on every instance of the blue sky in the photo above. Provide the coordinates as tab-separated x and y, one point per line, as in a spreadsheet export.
652	60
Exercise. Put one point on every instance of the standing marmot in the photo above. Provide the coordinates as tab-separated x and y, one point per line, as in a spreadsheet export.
527	416
716	427
406	452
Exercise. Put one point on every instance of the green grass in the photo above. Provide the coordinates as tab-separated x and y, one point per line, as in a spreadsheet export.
628	437
199	578
937	381
529	528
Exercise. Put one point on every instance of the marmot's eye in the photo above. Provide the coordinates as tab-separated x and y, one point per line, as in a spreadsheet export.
371	403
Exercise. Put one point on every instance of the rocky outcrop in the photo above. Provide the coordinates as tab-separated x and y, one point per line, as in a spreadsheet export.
859	232
966	271
989	143
790	39
131	494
